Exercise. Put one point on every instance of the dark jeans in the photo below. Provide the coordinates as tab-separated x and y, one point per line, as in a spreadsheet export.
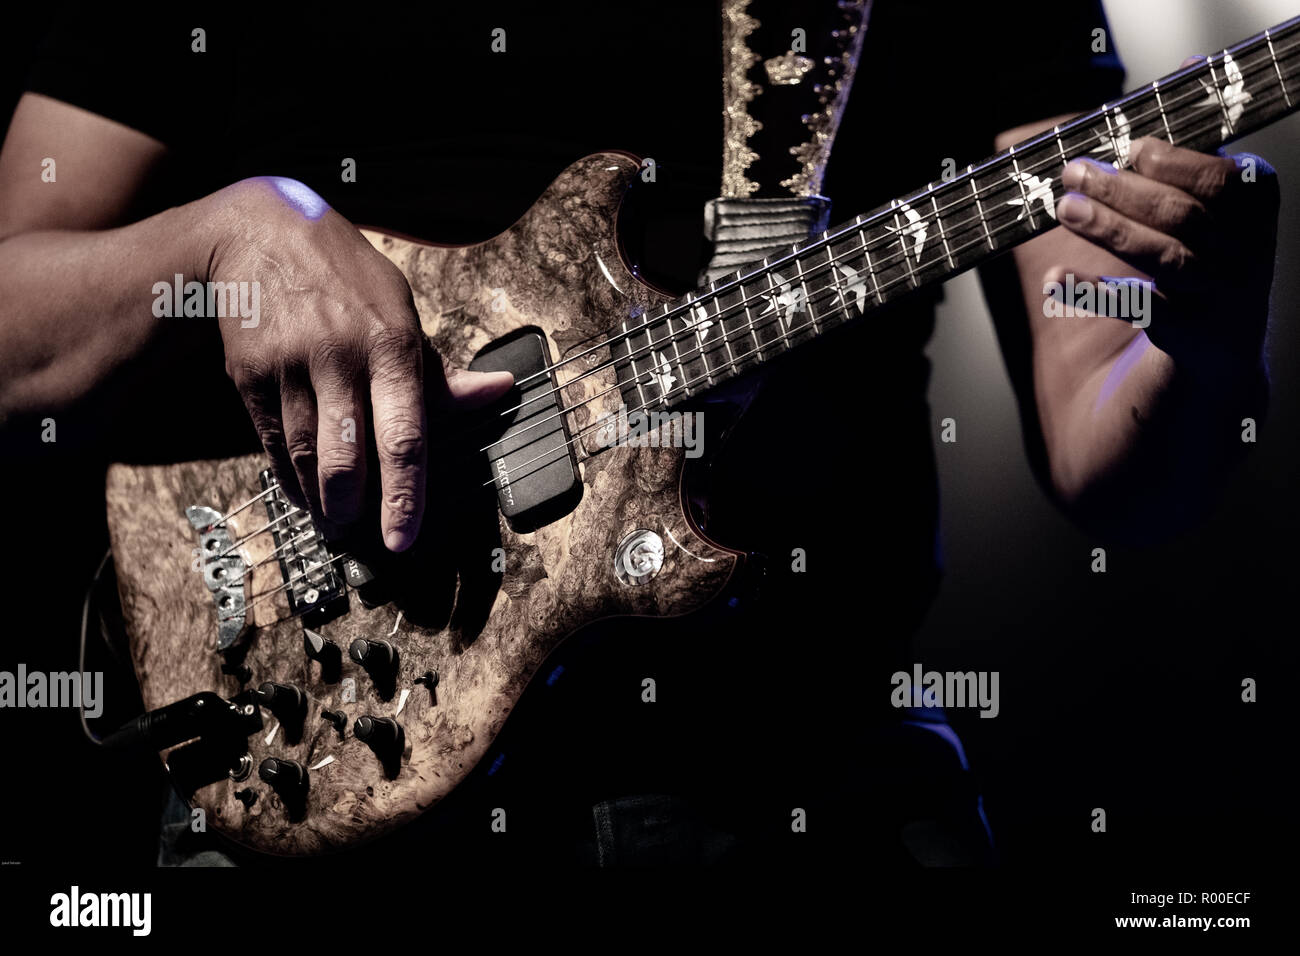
911	801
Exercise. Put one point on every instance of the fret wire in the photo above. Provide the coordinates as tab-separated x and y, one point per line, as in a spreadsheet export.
1024	196
722	327
749	316
902	243
1011	154
1082	120
731	367
871	269
691	335
1277	69
636	376
776	306
943	235
1110	133
863	241
663	398
865	248
807	299
1169	135
676	352
979	206
1214	82
699	340
970	170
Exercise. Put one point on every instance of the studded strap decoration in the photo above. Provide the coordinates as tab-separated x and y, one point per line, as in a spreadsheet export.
786	80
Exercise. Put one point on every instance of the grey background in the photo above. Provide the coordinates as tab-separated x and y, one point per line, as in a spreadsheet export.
1121	690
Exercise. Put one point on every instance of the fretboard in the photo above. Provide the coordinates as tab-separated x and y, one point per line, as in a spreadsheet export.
688	347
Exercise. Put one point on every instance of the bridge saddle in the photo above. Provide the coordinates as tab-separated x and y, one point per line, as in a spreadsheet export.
312	582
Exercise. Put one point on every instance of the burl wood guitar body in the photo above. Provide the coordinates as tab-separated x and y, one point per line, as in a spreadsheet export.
558	269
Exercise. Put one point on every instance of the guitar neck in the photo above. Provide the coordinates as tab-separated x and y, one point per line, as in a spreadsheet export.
687	348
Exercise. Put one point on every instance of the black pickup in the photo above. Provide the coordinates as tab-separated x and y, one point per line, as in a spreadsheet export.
531	462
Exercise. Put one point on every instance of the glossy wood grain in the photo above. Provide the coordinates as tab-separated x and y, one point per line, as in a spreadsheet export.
558	269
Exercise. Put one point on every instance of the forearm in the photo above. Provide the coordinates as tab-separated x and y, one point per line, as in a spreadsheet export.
1142	416
1141	448
78	305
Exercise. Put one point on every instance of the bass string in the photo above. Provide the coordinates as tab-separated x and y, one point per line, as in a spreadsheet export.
1192	75
288	583
230	514
270	524
293	579
511	473
697	299
725	338
310	533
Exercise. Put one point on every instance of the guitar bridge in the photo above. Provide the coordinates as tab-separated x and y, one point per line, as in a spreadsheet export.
313	584
312	581
223	572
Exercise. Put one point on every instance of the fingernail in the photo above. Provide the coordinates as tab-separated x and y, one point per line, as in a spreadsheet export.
397	539
1076	169
1072	176
1074	209
485	380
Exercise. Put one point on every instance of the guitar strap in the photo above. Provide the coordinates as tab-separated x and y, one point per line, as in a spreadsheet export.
786	80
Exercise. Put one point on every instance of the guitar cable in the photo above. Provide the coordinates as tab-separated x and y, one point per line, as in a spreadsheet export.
81	657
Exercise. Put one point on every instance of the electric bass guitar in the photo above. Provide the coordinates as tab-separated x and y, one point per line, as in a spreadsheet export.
294	695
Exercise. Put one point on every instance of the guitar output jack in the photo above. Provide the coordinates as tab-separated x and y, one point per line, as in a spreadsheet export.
242	768
639	557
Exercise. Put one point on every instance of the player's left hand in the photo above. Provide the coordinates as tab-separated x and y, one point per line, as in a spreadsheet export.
1202	228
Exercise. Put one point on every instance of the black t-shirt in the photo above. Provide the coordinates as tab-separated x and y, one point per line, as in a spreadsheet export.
452	142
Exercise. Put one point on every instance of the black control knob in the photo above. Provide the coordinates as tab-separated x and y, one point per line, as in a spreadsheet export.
379	733
385	737
363	579
288	704
283	700
367	564
356	572
326	653
379	658
314	644
374	656
288	778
